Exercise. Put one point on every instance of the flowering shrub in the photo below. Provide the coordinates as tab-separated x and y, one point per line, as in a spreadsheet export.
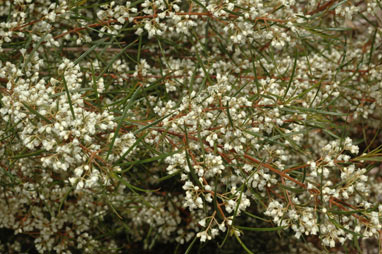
184	121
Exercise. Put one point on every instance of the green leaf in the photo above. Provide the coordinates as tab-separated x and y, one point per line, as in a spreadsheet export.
238	203
295	190
36	113
12	177
292	76
136	3
229	115
242	244
168	176
261	229
338	225
128	185
121	120
69	98
190	246
87	52
255	216
34	50
200	4
139	49
65	197
110	63
356	244
192	170
156	158
337	4
131	148
295	109
371	158
203	67
152	124
372	46
346	212
233	12
26	155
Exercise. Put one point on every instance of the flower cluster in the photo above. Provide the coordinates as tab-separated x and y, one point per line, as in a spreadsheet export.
172	121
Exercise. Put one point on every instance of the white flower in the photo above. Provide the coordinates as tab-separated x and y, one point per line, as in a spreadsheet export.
202	222
202	235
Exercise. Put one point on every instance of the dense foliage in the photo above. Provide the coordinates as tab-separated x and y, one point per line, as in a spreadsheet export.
163	124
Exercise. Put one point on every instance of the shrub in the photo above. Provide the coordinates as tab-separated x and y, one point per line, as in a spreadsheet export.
127	125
